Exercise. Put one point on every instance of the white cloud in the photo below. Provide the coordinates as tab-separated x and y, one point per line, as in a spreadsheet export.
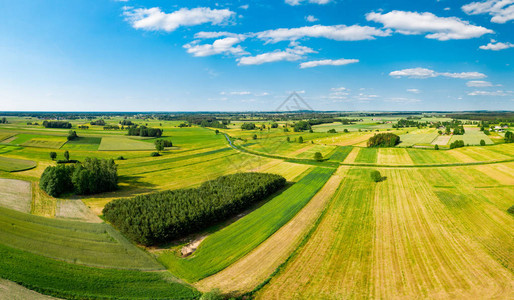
311	18
221	46
501	11
413	23
335	32
414	91
478	83
495	46
237	93
214	35
245	7
155	19
290	54
488	93
298	2
447	8
327	62
402	100
427	73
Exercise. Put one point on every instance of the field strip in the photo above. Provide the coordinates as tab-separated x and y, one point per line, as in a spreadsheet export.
501	173
10	290
15	194
426	166
351	157
75	210
301	150
258	265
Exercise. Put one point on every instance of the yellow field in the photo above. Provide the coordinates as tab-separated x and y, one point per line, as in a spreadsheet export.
419	234
393	156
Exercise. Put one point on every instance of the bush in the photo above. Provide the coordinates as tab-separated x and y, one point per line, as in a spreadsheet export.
164	216
72	135
482	143
120	158
511	210
457	144
376	176
332	131
91	177
436	147
300	140
318	156
155	154
509	137
248	126
53	155
384	140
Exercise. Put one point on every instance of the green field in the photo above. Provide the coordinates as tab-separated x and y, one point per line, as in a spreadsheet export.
340	154
367	155
13	164
472	136
83	143
124	144
231	243
418	137
71	281
73	242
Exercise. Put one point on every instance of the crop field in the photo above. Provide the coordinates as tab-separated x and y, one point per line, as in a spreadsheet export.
224	247
15	194
367	155
340	154
83	143
11	290
124	144
417	137
442	140
472	136
13	164
73	242
345	139
440	233
393	156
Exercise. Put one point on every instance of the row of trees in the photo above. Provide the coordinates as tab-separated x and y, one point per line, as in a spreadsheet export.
56	124
384	140
100	122
90	177
457	144
161	144
164	216
145	131
248	126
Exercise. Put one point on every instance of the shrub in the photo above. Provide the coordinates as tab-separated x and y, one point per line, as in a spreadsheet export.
53	155
318	156
457	144
482	143
72	135
248	126
66	155
509	137
436	147
332	131
384	140
300	140
120	158
345	130
155	154
254	137
376	176
511	210
164	216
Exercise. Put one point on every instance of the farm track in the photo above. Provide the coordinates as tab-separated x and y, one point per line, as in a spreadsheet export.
258	265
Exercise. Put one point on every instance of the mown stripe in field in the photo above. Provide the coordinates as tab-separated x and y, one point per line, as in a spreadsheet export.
340	153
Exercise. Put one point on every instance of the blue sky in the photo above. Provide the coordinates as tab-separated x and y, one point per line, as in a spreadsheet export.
241	55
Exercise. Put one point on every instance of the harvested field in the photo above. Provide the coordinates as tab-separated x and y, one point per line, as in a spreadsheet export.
442	140
393	156
75	210
15	194
13	291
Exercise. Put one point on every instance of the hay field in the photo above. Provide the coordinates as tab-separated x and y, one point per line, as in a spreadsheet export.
9	164
435	233
472	136
15	194
111	143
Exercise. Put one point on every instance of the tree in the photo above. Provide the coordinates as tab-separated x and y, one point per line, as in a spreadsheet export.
254	137
332	131
67	155
217	131
53	155
509	137
345	130
482	143
436	147
288	139
384	140
300	140
72	135
318	156
159	146
376	176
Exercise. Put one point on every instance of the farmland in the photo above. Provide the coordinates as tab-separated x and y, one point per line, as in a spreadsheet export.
435	226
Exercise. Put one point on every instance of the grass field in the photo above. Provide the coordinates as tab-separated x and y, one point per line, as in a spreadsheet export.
472	136
83	143
416	137
224	247
431	234
13	164
74	242
340	154
71	281
110	143
367	155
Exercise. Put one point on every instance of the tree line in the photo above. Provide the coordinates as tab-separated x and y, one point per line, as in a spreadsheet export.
56	124
144	131
384	140
90	177
164	216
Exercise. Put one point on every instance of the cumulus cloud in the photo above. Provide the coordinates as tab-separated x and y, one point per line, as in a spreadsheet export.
478	83
220	46
440	28
155	19
328	62
489	93
298	2
311	18
427	73
335	32
501	11
291	54
414	91
496	46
